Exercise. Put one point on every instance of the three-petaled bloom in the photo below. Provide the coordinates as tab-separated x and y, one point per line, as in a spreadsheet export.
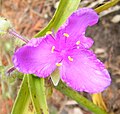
68	50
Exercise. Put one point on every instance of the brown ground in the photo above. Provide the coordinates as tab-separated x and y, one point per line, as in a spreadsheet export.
28	17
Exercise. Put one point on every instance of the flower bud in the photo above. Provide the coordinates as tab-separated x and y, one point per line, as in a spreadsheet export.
4	25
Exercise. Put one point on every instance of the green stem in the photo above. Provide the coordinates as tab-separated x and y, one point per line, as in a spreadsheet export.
79	98
106	5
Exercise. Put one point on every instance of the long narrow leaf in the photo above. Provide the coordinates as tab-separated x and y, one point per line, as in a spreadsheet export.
37	92
65	8
106	5
23	103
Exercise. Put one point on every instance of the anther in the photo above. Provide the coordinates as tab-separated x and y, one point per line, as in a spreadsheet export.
53	48
48	32
58	64
78	42
70	58
66	35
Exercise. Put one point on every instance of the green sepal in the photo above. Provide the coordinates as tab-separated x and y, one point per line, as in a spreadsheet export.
55	77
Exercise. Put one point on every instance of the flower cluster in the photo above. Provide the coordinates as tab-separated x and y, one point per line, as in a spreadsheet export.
67	50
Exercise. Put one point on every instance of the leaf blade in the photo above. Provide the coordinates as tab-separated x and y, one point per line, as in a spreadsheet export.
23	101
65	8
37	93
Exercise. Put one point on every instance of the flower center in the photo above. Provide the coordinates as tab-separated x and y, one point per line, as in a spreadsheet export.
63	51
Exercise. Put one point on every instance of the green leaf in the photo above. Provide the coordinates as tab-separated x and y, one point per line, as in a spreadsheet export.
23	103
37	92
106	5
65	8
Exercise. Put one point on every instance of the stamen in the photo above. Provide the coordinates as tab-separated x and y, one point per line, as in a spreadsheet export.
66	35
48	32
78	42
70	58
53	48
58	64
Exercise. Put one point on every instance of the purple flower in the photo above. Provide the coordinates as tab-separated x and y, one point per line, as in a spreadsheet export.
69	51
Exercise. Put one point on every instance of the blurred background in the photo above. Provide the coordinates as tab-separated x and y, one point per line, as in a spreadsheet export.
28	17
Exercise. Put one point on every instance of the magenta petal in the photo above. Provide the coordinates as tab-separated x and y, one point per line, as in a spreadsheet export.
36	57
86	42
75	27
85	72
78	22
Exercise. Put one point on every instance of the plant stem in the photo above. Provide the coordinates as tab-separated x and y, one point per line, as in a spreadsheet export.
106	5
79	98
12	32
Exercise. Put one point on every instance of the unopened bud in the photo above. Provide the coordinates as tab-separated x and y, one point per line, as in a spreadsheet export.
4	25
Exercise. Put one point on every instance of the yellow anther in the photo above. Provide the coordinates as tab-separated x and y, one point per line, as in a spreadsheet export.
78	42
58	64
70	58
48	32
53	48
66	35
